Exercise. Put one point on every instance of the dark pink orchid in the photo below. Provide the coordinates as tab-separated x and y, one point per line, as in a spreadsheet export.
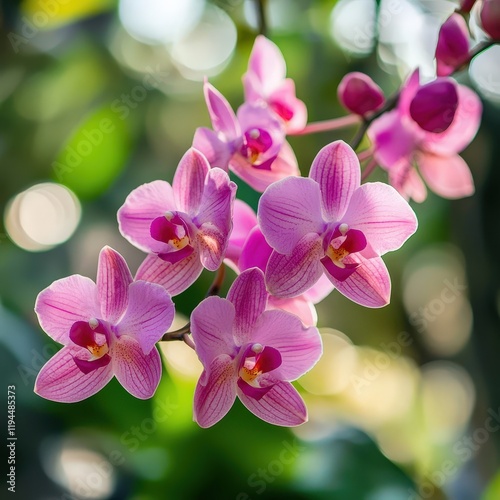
329	223
184	226
251	353
452	49
490	18
107	329
252	145
248	248
415	133
265	81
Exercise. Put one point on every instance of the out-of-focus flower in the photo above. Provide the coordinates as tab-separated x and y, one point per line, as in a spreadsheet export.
452	48
428	128
184	226
265	81
252	144
359	94
251	353
108	328
331	224
490	18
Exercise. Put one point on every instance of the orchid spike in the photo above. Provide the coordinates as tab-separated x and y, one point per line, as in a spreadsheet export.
414	133
108	328
248	248
252	144
184	226
329	223
251	353
265	81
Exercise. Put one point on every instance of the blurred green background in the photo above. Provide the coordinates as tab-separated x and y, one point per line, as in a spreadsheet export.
102	96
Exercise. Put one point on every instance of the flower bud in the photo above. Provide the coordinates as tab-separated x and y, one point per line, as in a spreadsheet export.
490	18
434	105
359	94
453	45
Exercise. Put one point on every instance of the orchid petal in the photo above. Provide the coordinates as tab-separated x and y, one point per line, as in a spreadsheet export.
189	181
463	128
216	151
300	347
63	303
175	278
113	280
320	290
214	399
300	306
244	220
448	176
266	62
284	103
142	206
288	210
369	285
404	178
149	314
293	274
383	216
281	405
249	296
256	251
221	114
336	169
137	372
212	326
60	379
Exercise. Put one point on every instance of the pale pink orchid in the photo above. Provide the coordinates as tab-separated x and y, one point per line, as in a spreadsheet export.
329	223
251	144
428	129
108	328
265	80
184	226
248	248
250	352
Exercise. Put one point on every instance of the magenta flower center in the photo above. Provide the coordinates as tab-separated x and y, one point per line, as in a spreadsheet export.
93	336
172	230
256	361
282	110
256	142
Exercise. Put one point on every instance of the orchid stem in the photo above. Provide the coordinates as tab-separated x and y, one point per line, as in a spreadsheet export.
183	332
368	169
261	17
366	154
327	125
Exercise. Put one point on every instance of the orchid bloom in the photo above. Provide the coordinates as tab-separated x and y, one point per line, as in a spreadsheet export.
184	226
415	133
265	81
359	94
251	353
108	328
248	248
329	223
452	48
252	144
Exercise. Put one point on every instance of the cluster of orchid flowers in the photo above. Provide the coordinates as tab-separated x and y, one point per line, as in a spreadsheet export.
310	235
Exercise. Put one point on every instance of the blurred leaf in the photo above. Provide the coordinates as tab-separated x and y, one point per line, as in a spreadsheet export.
94	155
492	492
53	13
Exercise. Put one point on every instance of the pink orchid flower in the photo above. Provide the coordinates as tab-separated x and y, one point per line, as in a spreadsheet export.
107	329
415	133
252	144
452	48
265	81
251	353
248	248
184	226
329	223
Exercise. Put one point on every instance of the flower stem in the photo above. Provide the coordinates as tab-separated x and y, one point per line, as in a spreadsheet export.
183	332
365	155
327	125
261	16
372	164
